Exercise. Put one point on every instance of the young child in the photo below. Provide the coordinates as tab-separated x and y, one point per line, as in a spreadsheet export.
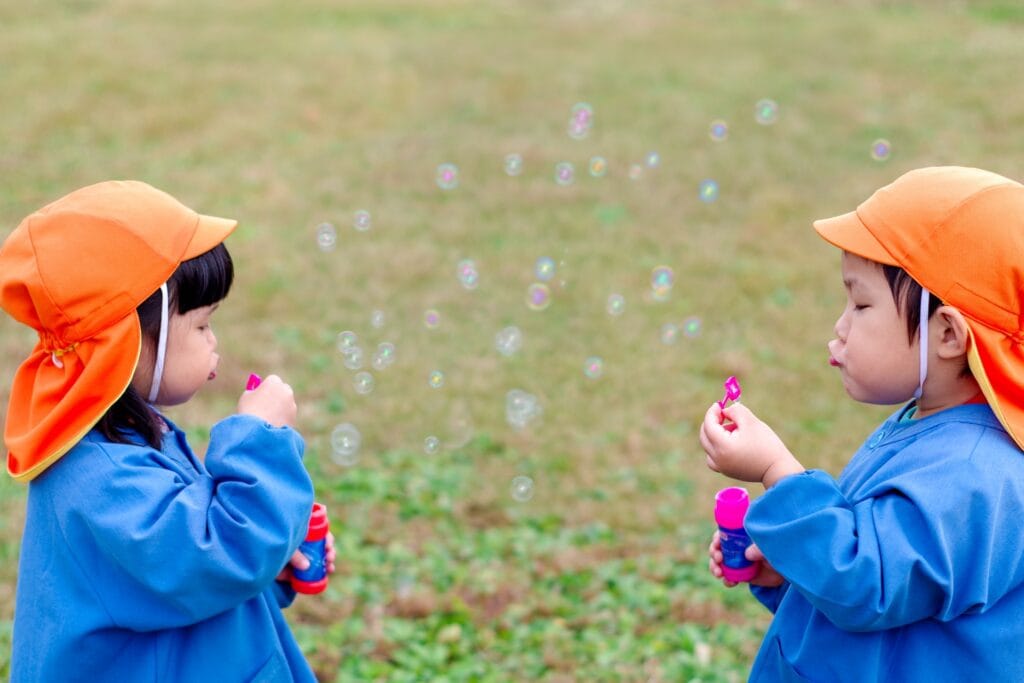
139	561
910	566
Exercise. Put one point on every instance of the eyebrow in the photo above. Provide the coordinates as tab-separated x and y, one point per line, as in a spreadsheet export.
850	282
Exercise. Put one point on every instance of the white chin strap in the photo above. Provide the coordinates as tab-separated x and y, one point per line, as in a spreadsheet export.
161	348
922	336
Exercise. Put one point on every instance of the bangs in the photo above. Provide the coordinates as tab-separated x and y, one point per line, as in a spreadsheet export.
203	280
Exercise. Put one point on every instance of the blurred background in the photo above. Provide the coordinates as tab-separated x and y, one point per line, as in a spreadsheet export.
551	230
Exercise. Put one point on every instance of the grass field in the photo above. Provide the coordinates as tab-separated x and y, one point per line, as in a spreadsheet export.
289	115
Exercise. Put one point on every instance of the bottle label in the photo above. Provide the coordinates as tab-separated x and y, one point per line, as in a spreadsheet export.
316	552
734	542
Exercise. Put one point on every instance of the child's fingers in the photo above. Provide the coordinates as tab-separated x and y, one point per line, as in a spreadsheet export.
753	553
299	561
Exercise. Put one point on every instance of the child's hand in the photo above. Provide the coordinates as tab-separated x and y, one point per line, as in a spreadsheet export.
272	401
766	574
301	562
748	451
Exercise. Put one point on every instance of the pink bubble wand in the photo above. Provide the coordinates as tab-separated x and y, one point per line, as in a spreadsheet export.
732	393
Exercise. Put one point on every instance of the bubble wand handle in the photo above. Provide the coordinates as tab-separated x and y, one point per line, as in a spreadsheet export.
314	578
732	393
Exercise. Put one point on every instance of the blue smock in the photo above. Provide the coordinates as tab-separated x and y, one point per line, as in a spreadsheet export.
910	567
151	565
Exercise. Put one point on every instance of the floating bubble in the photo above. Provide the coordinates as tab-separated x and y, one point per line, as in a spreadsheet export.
653	160
363	382
361	220
718	131
565	173
766	112
593	367
377	319
880	149
384	356
598	167
669	334
326	236
447	176
435	380
431	444
692	327
577	130
616	304
538	296
431	318
635	171
522	488
467	273
581	120
521	408
345	442
508	341
513	164
353	358
346	340
544	268
708	191
662	277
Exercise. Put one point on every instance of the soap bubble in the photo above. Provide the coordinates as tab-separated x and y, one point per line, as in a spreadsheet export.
353	358
653	160
692	327
431	318
377	319
363	382
718	131
508	341
565	173
662	279
346	340
616	304
513	164
880	149
766	112
384	356
544	268
708	191
538	296
581	120
598	167
669	334
431	444
345	442
521	408
361	221
593	367
635	171
326	236
467	274
447	176
435	380
522	488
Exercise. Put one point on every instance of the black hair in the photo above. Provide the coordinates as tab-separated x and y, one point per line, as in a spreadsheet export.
906	292
197	282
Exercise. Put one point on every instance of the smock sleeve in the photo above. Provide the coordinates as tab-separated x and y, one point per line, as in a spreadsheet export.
928	544
164	546
769	596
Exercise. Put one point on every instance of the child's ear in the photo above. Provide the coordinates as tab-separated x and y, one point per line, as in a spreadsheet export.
955	336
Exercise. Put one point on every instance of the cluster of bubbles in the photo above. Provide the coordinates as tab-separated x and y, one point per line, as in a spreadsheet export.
327	234
521	409
670	332
353	356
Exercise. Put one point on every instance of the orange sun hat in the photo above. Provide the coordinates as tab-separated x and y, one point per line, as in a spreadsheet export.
959	232
75	271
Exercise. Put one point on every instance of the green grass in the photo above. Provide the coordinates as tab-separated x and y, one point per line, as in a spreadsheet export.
285	115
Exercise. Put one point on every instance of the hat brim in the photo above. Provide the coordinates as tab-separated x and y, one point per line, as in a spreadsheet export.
990	356
210	231
849	233
54	404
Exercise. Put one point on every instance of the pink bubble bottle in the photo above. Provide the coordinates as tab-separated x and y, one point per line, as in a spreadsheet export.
730	508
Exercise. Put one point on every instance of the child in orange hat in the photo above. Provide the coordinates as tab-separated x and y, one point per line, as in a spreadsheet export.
909	566
139	561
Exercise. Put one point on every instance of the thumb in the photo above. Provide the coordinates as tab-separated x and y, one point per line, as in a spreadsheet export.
299	561
753	553
738	413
